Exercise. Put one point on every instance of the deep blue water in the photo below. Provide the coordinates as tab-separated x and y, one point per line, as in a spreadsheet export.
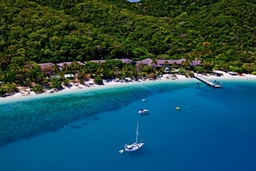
215	129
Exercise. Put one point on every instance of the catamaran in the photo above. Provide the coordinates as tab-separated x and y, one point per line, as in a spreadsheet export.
136	145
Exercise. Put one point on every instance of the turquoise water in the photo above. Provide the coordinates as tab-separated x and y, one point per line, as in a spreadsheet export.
215	129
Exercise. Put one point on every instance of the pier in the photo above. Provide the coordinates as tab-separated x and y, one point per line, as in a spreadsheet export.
209	83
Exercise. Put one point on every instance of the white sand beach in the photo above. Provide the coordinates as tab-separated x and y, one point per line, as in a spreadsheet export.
89	85
227	76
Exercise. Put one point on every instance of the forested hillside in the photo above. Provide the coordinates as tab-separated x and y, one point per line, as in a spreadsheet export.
221	33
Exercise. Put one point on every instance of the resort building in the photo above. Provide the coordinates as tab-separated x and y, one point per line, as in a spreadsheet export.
60	65
46	65
69	76
126	60
167	63
148	62
55	76
47	68
178	62
98	61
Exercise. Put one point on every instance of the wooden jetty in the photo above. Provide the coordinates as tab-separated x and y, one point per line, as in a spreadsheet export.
211	84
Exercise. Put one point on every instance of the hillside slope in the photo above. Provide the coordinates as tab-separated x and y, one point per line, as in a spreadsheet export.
220	32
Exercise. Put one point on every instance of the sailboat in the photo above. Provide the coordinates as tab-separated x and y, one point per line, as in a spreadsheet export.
136	145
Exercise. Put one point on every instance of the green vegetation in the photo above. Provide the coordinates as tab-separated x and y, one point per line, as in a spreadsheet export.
38	89
8	89
56	83
219	33
98	80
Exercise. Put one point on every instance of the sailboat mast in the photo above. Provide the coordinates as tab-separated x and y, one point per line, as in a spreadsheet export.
137	132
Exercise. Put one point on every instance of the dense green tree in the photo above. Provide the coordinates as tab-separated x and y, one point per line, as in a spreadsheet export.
221	34
199	69
38	88
8	88
56	83
98	80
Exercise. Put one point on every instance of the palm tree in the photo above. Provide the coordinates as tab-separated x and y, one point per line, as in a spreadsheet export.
116	71
125	71
74	67
99	71
175	65
154	62
186	64
83	76
65	68
55	69
198	59
40	79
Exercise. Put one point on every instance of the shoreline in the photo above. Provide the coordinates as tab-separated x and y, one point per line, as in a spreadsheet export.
20	96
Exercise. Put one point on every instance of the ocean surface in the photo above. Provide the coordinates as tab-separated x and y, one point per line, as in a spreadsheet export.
214	130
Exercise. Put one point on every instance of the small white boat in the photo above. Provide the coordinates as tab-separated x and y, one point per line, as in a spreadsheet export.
143	100
142	111
121	151
136	145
